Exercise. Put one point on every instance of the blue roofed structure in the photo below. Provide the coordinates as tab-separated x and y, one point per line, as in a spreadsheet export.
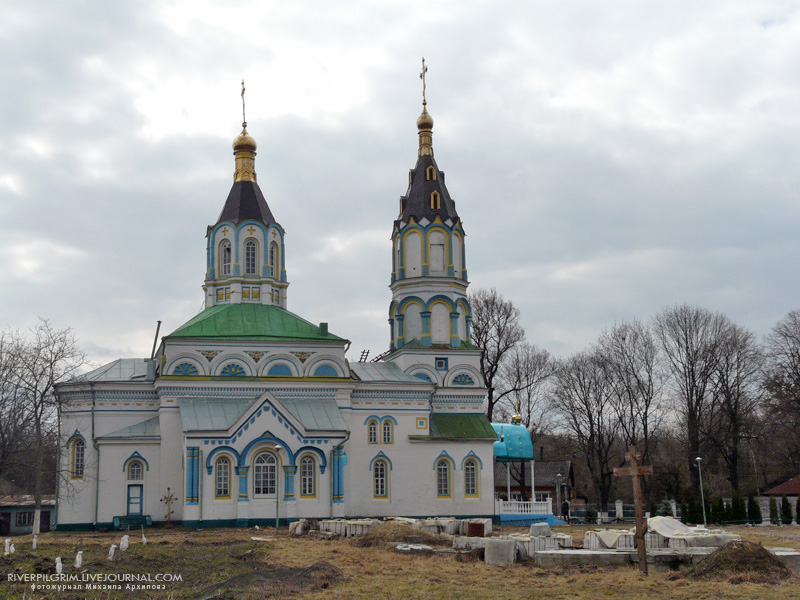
513	443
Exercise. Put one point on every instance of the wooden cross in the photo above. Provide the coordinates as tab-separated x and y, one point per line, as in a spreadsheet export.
635	471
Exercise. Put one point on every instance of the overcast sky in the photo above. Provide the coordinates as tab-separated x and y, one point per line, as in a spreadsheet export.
607	159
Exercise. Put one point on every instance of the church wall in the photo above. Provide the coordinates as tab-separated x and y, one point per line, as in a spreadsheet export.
170	461
114	482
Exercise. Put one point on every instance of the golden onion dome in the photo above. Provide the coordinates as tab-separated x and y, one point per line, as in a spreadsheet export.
244	140
424	121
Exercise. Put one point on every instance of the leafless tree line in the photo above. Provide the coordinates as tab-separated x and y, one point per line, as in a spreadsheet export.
31	364
689	383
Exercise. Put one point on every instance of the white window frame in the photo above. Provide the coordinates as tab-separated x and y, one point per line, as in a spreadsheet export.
265	475
471	478
380	479
308	482
443	471
222	477
225	258
135	470
78	458
250	257
387	432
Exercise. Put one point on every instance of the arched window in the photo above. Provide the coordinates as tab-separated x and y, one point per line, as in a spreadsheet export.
135	471
470	478
372	432
225	258
250	253
437	255
380	482
430	173
274	258
265	474
307	484
443	478
222	477
78	450
436	201
388	433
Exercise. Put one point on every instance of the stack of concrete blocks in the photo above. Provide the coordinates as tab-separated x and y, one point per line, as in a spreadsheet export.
445	525
624	541
360	527
337	526
653	540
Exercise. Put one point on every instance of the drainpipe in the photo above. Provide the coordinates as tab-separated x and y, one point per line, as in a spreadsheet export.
333	466
200	474
54	518
97	458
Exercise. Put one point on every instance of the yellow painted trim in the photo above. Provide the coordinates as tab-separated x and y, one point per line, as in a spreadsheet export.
244	253
424	421
230	482
391	433
477	493
449	478
128	470
314	476
385	478
72	460
377	432
421	236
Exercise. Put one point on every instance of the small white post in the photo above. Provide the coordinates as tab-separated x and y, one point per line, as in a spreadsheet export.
59	566
79	559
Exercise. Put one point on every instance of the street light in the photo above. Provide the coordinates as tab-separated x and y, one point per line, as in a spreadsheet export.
698	460
558	494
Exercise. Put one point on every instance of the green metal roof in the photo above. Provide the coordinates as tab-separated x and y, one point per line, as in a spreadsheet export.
460	427
145	429
251	322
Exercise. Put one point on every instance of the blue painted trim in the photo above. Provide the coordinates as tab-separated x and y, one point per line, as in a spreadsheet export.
380	419
323	462
76	435
441	298
217	450
380	455
192	474
471	454
265	438
135	456
444	455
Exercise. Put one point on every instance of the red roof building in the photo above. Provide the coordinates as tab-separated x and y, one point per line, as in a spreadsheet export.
787	488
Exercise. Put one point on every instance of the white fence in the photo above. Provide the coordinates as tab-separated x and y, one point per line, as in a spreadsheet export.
517	507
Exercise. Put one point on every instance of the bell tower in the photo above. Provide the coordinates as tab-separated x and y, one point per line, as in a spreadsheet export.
245	250
429	315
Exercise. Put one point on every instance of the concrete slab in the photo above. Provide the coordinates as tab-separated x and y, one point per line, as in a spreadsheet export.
576	558
500	552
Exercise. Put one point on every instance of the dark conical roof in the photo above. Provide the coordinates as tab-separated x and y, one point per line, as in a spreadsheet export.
417	201
245	201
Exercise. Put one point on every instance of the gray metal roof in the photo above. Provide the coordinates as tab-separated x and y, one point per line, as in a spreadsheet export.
122	369
200	414
383	371
146	429
317	414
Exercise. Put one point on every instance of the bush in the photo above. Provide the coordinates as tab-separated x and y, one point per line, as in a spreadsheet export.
720	513
738	510
591	515
773	511
653	508
753	511
666	509
786	511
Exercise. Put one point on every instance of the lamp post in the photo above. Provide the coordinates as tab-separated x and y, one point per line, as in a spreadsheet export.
558	494
698	460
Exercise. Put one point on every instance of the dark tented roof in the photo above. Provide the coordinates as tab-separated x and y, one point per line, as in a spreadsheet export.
417	201
245	201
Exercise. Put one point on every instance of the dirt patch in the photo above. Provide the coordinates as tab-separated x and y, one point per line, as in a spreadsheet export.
272	581
740	562
392	531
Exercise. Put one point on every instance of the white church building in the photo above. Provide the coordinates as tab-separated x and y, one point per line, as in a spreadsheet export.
248	413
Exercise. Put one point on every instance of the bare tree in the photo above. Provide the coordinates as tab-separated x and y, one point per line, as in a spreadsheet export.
14	421
783	370
630	357
496	331
690	337
582	397
736	395
48	357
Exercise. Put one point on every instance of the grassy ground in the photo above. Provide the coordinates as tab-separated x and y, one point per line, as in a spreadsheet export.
227	563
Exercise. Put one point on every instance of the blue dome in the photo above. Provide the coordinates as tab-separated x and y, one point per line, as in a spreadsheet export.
516	444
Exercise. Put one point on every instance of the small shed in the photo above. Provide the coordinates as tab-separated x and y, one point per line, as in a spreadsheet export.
16	514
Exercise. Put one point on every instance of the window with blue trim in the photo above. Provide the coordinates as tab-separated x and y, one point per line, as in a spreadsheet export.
470	478
423	376
250	250
372	432
222	477
443	478
135	471
388	432
325	371
441	364
78	450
